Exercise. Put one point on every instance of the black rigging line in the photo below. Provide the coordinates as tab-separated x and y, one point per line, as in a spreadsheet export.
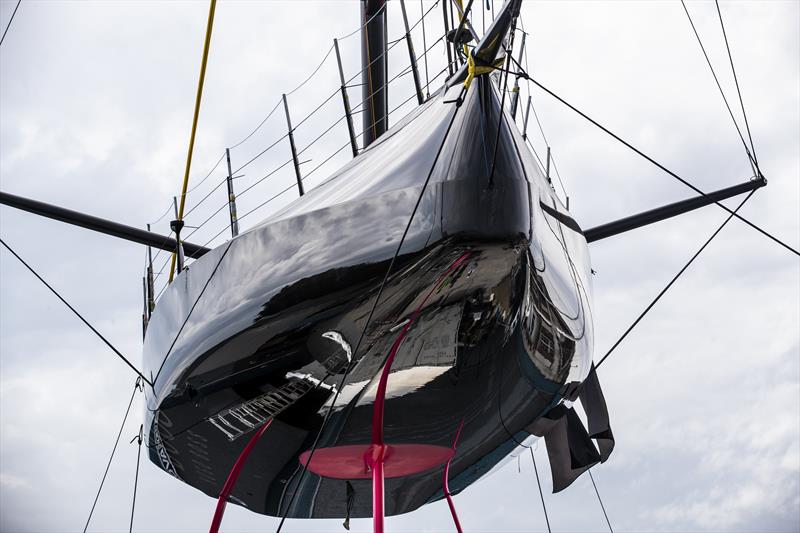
138	437
654	162
159	219
198	184
327	54
603	507
280	100
750	156
136	386
3	38
541	494
674	279
195	206
736	79
76	313
372	311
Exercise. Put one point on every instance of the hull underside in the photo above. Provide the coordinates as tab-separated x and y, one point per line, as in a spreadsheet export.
275	315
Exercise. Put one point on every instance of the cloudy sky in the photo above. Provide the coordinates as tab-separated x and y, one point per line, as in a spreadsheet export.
95	110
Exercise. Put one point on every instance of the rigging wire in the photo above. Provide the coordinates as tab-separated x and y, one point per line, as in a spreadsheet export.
536	116
3	38
672	281
541	494
374	307
262	152
40	278
165	213
328	99
738	90
195	206
209	173
338	90
272	172
750	156
251	186
293	185
657	164
136	386
278	103
327	54
603	507
138	438
379	12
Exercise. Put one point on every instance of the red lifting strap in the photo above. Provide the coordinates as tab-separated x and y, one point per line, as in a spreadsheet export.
233	476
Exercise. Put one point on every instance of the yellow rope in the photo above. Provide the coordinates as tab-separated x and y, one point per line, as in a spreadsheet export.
473	69
476	70
206	46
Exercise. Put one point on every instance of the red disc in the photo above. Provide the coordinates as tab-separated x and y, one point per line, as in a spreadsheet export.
351	461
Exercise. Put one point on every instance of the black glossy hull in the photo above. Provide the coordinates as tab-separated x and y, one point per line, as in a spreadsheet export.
283	304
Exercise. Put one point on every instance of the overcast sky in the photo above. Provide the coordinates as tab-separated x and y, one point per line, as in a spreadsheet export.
95	110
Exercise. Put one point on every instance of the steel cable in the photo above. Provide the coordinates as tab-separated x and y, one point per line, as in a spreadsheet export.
86	322
659	165
671	282
599	499
738	90
750	156
136	386
3	38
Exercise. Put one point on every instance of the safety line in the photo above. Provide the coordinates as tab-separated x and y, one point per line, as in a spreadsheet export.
312	113
674	279
327	54
293	185
40	278
372	311
195	206
136	386
278	103
221	157
3	38
305	81
165	213
251	186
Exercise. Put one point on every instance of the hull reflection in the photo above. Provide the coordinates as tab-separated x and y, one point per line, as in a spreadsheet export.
274	317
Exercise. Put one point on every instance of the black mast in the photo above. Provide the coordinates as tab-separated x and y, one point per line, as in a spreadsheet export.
374	69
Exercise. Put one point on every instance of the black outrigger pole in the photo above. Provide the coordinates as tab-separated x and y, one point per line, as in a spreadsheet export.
101	225
670	210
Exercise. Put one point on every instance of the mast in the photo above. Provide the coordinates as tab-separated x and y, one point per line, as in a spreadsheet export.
373	69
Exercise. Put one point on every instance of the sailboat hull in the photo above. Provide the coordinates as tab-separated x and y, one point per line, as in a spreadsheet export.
267	324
